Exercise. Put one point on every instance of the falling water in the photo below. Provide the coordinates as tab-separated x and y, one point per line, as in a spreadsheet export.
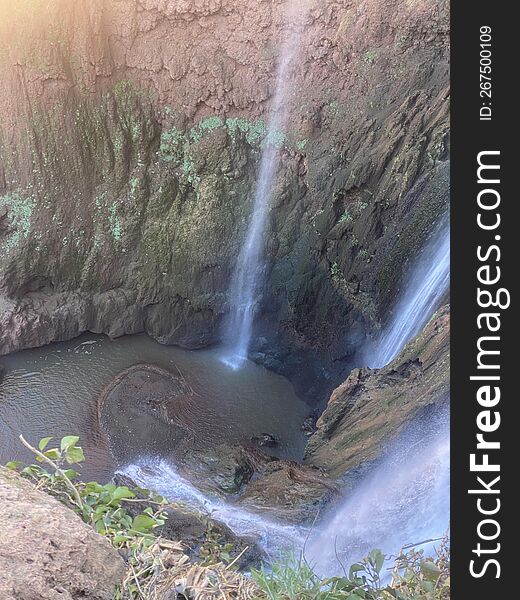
245	290
429	281
405	500
160	476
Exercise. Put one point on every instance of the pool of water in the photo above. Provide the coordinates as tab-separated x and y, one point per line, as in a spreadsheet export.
54	390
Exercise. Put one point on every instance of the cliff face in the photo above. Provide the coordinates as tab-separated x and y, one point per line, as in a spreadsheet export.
372	407
130	137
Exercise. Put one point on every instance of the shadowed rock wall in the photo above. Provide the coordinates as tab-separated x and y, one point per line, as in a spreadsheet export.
130	137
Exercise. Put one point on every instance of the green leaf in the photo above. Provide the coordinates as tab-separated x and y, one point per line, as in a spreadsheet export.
53	454
377	558
14	465
430	570
71	474
100	527
93	487
68	442
43	443
122	492
355	568
119	539
143	523
74	455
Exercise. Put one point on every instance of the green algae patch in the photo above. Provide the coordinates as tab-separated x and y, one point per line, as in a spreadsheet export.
19	213
116	228
180	148
172	145
107	212
206	126
175	148
253	130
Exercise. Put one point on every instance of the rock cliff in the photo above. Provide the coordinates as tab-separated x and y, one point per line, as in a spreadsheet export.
130	137
372	407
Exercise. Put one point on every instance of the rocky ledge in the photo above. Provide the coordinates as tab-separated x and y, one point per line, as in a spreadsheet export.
47	552
372	407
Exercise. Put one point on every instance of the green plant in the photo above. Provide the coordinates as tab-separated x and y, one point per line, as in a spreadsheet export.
102	506
416	576
294	579
413	578
214	550
346	217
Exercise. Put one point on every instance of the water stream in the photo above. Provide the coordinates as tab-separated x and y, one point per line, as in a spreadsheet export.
405	499
161	476
427	284
246	284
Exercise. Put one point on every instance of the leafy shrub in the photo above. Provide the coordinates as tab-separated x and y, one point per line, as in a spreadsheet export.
102	506
413	578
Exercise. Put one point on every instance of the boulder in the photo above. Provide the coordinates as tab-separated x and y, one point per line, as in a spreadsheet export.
47	552
223	469
289	492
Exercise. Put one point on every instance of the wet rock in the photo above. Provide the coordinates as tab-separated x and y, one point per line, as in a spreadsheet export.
265	440
153	389
289	492
223	469
196	530
309	425
47	552
372	407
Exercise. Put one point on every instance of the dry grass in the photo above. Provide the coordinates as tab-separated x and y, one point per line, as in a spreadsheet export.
164	572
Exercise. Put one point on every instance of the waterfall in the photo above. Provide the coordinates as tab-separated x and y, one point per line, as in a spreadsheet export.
246	283
428	283
405	499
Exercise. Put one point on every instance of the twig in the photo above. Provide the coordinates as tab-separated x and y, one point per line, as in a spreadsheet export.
58	470
237	558
421	543
144	501
302	556
136	579
343	568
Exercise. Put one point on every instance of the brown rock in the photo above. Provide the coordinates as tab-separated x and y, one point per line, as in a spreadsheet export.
372	407
47	552
289	492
